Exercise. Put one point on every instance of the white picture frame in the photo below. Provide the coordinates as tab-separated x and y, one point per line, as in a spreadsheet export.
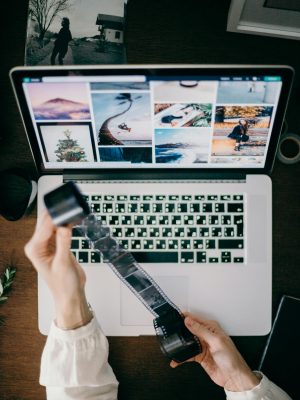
251	17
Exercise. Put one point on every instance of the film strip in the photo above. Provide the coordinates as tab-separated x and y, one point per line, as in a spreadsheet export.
66	205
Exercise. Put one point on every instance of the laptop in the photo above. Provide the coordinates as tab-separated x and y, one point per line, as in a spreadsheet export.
176	159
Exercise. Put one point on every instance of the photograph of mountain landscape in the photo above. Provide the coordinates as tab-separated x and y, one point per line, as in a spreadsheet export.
63	101
182	146
75	32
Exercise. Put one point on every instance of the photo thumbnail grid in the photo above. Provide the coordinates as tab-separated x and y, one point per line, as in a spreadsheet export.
161	122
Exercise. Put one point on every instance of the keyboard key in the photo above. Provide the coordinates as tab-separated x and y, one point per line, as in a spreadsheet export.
145	207
120	207
163	220
219	207
75	244
95	207
198	244
157	207
194	207
151	220
213	260
117	232
126	220
161	244
201	220
225	197
107	207
122	197
203	232
215	232
201	256
169	207
207	207
235	207
186	197
109	197
185	244
124	243
135	244
96	198
129	232
76	233
83	257
135	198
148	244
138	220
141	232
212	197
160	197
187	257
238	220
173	244
154	232
85	244
148	197
155	257
226	220
191	232
229	231
173	197
210	244
199	197
179	232
182	207
95	257
238	197
113	220
231	244
167	232
132	207
188	220
225	257
238	259
176	220
213	220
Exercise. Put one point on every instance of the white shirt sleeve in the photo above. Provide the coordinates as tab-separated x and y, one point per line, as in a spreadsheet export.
74	365
265	390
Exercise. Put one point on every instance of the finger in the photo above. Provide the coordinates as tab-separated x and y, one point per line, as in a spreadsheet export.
44	228
198	328
63	241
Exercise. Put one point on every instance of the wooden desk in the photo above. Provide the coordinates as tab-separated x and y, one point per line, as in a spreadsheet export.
167	31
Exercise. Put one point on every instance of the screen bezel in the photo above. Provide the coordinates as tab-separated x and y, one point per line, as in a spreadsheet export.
285	72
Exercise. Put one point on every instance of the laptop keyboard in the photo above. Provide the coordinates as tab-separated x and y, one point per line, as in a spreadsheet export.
170	228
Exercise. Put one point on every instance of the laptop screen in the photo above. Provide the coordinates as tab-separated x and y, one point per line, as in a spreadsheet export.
194	121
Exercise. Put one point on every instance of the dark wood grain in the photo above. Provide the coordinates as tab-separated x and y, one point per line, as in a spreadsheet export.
165	31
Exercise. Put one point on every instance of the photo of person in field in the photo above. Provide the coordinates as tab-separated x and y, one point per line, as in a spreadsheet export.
241	130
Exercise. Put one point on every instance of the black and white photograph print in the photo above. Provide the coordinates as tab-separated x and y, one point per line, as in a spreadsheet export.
75	32
248	92
123	119
132	155
184	91
67	142
176	115
139	281
182	146
59	101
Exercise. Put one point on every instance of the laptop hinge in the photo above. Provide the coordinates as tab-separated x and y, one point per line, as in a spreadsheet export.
154	176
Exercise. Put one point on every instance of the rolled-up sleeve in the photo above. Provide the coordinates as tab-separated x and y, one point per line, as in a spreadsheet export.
265	390
75	365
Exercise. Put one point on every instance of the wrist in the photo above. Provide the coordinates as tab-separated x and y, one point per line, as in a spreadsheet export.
242	381
73	313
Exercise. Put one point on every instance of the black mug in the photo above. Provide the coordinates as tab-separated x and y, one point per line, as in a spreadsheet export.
18	192
289	148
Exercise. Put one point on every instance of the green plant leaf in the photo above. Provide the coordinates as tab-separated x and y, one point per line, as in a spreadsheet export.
3	299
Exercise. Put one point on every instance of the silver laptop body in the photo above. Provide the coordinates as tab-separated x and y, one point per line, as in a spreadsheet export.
176	159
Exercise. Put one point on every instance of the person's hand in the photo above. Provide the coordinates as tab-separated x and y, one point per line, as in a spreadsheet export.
49	252
220	358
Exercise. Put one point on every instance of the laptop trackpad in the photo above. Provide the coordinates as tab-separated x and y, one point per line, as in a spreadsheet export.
133	312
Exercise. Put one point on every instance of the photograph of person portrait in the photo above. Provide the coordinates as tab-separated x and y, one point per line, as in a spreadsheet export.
254	92
184	91
122	119
182	146
67	142
241	130
59	101
133	155
75	32
176	115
